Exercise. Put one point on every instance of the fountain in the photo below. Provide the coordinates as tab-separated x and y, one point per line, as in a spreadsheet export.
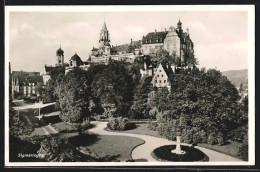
178	147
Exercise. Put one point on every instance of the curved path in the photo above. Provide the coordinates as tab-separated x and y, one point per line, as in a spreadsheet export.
143	152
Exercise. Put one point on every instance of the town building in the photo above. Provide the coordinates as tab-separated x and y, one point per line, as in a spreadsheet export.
75	61
175	41
24	83
161	76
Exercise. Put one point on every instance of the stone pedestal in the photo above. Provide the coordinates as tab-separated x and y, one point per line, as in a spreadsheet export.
178	146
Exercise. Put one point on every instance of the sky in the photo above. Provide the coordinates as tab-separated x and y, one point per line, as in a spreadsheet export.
220	37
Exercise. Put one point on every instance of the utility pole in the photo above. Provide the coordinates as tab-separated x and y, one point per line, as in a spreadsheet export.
39	113
18	115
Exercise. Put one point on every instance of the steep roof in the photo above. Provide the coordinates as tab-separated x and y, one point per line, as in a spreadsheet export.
121	48
76	58
154	37
168	70
27	77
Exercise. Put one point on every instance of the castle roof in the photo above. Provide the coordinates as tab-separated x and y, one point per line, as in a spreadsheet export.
76	58
154	37
121	48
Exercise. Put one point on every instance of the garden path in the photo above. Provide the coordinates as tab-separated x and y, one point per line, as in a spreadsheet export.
143	152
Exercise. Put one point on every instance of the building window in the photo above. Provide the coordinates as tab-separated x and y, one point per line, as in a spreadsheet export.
164	81
162	75
158	75
159	81
155	81
159	70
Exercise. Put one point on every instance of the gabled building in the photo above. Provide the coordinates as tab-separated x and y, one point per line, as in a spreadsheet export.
24	83
75	61
162	74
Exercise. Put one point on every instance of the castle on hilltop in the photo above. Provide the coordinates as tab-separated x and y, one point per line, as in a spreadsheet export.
175	41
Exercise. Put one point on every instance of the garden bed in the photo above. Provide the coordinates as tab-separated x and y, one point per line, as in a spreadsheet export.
164	153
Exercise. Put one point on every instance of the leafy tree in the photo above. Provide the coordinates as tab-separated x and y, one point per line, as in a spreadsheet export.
55	74
161	56
199	102
141	100
190	59
113	85
39	88
73	93
57	149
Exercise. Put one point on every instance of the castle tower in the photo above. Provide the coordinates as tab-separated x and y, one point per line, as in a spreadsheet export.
59	57
104	36
179	25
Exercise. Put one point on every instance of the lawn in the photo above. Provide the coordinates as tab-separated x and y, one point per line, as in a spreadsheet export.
64	127
229	149
110	148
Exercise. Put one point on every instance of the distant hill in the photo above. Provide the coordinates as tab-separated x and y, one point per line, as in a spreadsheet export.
237	76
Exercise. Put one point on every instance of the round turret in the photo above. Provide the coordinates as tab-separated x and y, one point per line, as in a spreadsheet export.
60	51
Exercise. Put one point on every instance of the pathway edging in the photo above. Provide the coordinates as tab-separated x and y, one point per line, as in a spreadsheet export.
145	150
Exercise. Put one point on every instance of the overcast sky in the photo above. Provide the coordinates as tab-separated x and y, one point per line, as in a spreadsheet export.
220	38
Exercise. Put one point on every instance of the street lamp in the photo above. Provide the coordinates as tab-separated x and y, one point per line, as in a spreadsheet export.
18	115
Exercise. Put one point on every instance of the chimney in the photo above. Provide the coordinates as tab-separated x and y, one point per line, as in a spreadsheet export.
155	31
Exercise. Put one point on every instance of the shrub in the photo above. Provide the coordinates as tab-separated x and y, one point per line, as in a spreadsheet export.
120	124
238	134
200	137
220	138
85	125
153	125
243	149
187	136
212	138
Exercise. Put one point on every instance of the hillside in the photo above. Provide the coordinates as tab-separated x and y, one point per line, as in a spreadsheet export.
237	77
